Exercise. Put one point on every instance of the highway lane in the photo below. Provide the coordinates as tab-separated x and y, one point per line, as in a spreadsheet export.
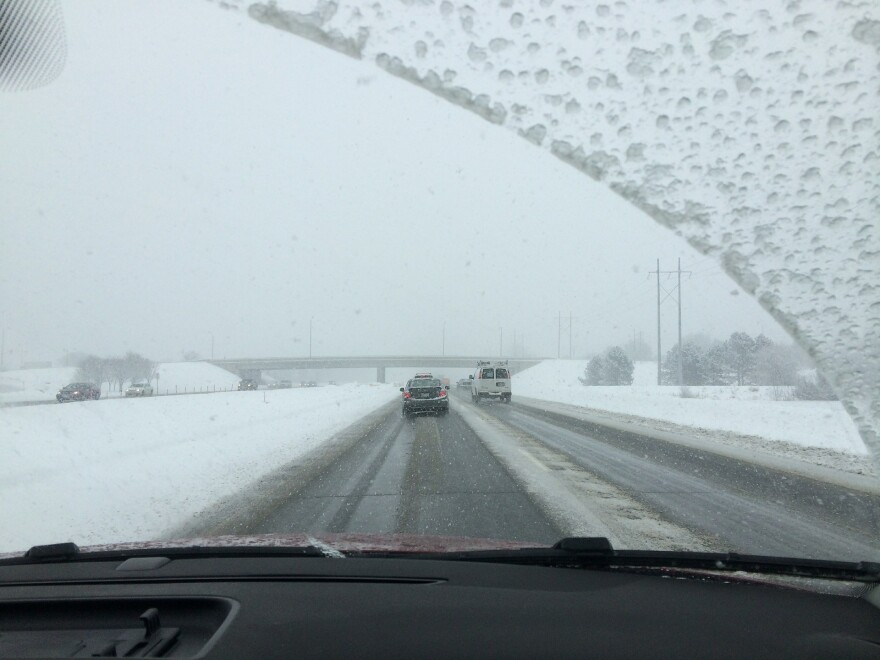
741	507
426	475
538	476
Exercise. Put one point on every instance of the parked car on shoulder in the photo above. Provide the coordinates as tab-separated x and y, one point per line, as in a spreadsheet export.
424	395
491	380
247	384
139	388
78	392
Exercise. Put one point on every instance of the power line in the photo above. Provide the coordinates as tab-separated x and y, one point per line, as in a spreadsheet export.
675	290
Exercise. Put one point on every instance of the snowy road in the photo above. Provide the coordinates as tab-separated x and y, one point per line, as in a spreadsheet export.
733	504
512	472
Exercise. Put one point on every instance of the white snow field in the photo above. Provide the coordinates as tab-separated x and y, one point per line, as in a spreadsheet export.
26	385
34	384
122	469
745	411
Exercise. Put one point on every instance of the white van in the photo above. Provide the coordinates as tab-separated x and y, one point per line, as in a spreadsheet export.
491	380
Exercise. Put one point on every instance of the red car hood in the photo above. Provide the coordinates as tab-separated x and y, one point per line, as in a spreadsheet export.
331	544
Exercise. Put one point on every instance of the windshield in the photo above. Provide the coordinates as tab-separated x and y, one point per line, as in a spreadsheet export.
661	219
425	382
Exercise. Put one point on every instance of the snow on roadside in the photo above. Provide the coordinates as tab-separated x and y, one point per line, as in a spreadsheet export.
119	470
34	384
175	377
745	411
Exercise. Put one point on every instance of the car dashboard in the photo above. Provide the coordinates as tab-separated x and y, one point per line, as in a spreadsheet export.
280	606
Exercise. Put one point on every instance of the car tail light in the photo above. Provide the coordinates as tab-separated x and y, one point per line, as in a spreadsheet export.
407	395
442	392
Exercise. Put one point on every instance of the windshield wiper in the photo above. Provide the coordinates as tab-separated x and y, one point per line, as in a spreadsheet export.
597	552
68	552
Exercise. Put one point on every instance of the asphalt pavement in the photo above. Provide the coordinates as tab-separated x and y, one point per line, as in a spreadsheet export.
426	475
742	507
434	475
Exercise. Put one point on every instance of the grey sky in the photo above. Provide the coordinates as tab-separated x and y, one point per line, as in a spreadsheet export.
193	172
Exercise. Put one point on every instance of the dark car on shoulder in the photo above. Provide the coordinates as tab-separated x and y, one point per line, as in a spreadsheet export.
425	395
78	392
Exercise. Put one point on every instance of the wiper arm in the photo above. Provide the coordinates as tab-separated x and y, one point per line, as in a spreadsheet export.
67	552
597	552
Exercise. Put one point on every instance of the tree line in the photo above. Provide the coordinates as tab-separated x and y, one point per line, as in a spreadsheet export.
739	360
115	371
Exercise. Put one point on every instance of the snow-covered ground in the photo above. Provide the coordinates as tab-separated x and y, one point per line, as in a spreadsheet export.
174	377
745	411
106	471
34	384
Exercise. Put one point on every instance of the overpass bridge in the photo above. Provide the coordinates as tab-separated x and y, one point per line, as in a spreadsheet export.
254	367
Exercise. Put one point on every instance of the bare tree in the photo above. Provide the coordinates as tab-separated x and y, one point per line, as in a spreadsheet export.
92	369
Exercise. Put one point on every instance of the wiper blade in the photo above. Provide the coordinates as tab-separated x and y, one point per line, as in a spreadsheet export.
67	552
597	552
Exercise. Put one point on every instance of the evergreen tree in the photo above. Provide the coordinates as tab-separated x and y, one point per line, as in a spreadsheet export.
741	355
618	367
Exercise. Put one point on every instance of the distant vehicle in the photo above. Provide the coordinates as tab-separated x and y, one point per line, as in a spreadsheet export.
464	383
491	380
247	384
313	383
78	392
332	382
139	388
280	385
423	395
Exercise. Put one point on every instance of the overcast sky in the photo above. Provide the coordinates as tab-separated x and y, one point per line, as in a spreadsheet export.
193	172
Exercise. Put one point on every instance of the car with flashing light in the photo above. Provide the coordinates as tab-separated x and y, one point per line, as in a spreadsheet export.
425	395
247	384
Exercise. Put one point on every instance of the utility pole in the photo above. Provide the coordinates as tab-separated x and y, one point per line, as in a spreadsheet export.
677	290
559	337
658	321
680	347
570	325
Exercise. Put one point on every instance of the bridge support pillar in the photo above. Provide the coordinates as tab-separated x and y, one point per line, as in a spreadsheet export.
380	374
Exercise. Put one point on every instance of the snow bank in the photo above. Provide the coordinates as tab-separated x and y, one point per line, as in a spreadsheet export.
748	411
34	384
174	377
189	376
108	471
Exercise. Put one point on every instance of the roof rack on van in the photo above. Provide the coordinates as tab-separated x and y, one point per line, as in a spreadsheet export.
501	363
